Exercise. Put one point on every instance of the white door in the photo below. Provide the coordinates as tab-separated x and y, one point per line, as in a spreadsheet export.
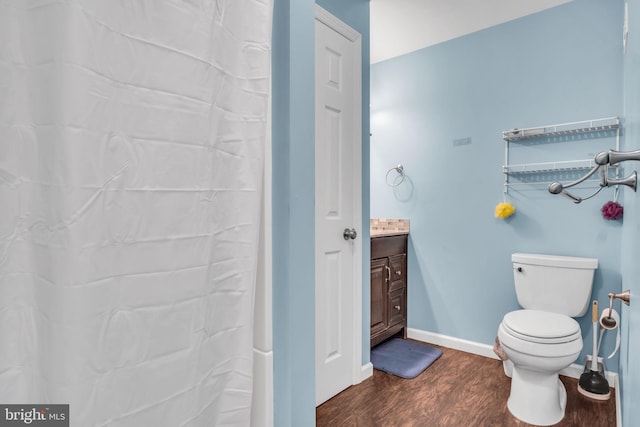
338	201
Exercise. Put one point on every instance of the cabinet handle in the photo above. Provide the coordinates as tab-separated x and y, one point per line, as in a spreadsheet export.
399	273
397	307
388	273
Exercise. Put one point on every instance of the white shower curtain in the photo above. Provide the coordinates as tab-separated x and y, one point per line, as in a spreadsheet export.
131	158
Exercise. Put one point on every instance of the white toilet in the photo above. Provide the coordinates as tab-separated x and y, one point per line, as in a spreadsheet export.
543	339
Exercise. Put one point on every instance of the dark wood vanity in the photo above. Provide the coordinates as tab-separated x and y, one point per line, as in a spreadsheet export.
388	287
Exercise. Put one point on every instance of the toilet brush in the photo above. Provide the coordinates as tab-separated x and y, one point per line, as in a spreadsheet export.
592	382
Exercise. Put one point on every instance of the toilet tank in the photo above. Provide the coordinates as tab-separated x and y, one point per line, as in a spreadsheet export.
560	284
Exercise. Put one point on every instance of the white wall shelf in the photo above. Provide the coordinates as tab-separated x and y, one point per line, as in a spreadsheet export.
582	127
547	167
596	128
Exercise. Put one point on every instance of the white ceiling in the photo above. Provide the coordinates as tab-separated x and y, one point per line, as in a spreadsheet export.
403	26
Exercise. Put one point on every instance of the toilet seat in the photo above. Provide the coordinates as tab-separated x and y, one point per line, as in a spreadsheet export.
540	333
541	326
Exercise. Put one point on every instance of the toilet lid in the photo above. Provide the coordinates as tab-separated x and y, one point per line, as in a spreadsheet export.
541	326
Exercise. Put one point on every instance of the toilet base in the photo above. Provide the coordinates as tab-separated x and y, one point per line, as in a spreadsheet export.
537	398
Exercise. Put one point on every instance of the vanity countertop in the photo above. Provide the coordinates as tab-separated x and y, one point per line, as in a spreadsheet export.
381	227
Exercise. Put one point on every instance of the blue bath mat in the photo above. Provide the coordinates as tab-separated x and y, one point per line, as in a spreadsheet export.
403	358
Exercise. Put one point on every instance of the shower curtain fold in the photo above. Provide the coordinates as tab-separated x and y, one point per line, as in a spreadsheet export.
131	160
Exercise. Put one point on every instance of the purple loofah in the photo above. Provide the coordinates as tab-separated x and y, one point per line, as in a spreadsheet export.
612	210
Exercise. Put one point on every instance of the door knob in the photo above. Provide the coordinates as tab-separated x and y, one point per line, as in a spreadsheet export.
349	234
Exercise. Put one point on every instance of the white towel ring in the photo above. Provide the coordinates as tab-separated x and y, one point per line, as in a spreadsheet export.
399	179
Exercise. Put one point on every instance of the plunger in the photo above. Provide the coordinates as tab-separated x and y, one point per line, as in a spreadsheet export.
592	382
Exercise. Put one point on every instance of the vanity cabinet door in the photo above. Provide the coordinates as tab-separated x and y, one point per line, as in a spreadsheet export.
388	288
379	306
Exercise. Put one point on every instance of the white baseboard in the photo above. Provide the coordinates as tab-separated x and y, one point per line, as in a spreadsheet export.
616	385
365	372
452	342
573	371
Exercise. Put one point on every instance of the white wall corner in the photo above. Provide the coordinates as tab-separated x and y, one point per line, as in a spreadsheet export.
262	404
262	400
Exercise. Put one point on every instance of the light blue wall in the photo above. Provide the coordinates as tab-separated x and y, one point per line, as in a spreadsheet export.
630	316
557	66
293	225
293	199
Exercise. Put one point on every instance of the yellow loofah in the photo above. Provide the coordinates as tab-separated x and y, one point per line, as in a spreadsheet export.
504	210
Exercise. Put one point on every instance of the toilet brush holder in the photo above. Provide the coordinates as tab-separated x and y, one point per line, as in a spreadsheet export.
602	369
592	384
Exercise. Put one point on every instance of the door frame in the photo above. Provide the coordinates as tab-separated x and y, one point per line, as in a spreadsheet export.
359	372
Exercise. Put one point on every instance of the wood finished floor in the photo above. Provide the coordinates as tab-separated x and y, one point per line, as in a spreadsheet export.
459	390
